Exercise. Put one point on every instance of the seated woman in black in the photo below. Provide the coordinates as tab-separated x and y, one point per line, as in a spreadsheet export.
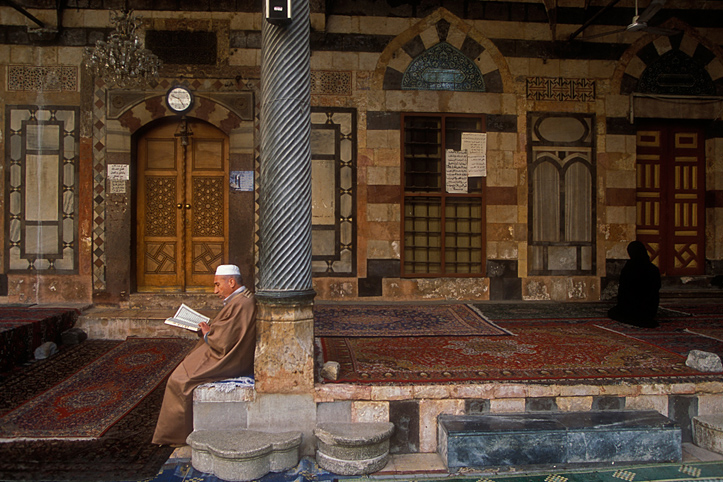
639	289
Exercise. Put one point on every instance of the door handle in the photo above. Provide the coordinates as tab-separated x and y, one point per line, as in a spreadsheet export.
179	206
188	206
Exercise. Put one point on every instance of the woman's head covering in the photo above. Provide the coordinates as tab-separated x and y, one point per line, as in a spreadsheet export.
637	251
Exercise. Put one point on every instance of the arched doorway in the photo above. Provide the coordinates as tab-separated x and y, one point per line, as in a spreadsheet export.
181	227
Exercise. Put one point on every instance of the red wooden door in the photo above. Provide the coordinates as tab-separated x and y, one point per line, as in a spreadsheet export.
670	197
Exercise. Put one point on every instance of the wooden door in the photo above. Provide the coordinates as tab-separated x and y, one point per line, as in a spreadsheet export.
182	195
671	197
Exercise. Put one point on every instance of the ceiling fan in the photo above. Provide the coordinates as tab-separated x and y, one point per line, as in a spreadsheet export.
640	22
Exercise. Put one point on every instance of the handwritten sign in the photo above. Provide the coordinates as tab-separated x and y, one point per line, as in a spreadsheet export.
119	172
456	171
117	187
475	143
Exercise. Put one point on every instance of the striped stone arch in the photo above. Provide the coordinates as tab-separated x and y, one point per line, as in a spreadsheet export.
650	51
442	26
204	109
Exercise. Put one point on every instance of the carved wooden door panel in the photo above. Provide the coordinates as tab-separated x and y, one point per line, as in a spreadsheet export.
671	197
182	194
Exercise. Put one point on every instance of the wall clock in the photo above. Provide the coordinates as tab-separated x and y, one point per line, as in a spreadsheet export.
179	99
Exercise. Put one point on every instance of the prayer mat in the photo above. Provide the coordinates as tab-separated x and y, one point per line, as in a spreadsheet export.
124	452
307	470
551	351
715	333
88	403
398	320
667	472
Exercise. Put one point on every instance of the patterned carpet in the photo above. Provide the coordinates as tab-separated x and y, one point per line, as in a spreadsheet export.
393	320
123	452
541	350
89	402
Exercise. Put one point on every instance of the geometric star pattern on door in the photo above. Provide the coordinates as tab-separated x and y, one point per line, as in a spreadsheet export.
161	258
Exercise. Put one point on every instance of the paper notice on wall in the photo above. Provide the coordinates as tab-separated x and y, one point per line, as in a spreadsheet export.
119	172
475	143
456	171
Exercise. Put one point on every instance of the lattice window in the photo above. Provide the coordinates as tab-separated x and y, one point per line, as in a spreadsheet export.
333	198
442	226
561	194
42	199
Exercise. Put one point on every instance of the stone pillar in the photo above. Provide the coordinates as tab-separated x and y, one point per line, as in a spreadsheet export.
284	361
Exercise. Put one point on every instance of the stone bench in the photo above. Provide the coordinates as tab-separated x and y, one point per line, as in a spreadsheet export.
708	432
353	448
243	455
541	438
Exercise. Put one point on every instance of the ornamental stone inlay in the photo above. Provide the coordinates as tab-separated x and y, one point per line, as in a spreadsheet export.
28	78
560	89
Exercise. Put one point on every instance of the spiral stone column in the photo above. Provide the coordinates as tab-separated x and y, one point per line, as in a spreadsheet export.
284	361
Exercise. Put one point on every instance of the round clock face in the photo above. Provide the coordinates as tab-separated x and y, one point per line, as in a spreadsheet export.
179	99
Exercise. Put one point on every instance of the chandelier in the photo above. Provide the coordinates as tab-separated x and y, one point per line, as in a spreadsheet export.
121	60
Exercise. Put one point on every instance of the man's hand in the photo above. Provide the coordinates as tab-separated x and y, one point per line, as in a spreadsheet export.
205	328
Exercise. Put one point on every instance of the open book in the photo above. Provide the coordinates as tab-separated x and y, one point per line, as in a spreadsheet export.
186	317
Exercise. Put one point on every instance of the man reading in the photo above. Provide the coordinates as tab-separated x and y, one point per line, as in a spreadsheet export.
225	351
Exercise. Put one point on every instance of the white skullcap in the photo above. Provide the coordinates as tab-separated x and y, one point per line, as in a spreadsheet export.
228	270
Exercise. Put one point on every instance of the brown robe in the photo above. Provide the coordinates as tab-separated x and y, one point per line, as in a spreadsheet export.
227	352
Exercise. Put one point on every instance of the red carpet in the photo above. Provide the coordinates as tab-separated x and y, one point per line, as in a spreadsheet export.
538	351
393	320
88	403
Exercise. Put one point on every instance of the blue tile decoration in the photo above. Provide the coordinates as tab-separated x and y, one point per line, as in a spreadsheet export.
443	67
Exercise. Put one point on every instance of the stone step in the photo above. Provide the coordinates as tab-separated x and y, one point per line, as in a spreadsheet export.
543	438
243	455
708	432
353	448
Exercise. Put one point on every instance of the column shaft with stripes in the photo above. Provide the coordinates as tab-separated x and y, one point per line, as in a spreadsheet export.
284	359
285	176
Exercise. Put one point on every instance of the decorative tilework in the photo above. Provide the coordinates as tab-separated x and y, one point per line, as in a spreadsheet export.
99	192
30	78
324	82
560	89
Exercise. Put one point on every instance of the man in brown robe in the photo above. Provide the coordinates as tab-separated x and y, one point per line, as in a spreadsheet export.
225	351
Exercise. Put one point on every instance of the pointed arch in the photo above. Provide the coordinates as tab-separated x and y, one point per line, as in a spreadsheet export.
442	27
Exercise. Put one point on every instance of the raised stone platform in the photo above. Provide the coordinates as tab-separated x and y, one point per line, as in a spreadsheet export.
241	455
542	438
353	448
